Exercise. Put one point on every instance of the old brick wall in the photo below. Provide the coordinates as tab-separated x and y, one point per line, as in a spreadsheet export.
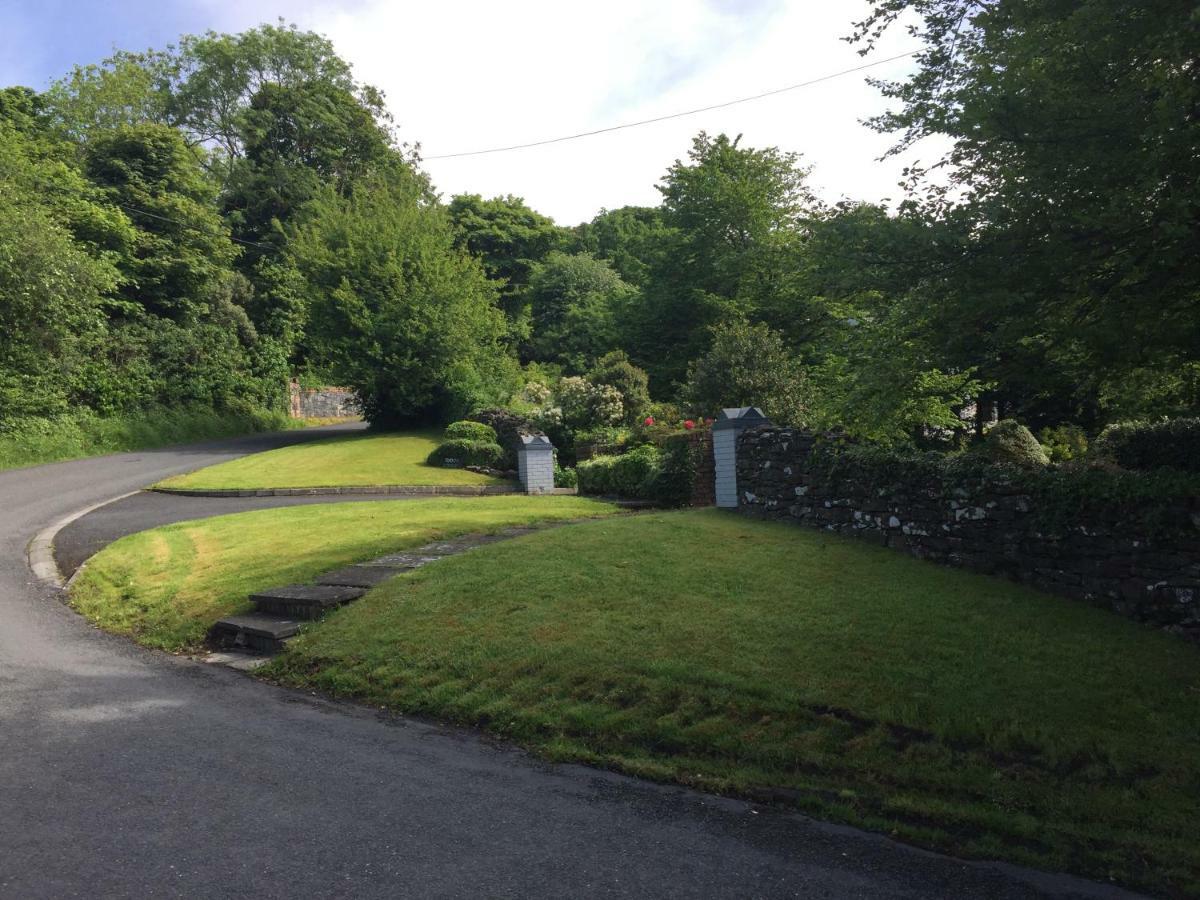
989	526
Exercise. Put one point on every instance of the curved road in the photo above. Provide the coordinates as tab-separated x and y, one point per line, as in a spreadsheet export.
126	773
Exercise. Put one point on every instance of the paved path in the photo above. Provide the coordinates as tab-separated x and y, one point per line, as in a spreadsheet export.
125	773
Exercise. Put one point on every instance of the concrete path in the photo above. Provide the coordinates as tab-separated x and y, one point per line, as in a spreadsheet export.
125	773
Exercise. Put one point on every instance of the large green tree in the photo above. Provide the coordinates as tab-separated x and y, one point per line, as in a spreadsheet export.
734	216
397	310
509	238
575	301
181	247
1073	184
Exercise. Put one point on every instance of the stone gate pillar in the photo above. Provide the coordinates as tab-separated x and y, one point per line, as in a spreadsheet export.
725	430
535	464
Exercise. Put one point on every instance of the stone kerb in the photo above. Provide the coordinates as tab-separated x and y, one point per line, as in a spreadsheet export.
535	464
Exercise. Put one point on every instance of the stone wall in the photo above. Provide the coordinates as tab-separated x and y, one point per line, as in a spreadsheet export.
990	525
322	403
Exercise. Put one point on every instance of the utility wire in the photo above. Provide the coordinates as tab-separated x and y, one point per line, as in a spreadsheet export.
678	115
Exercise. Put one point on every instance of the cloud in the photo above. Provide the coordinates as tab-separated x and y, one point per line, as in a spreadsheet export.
464	75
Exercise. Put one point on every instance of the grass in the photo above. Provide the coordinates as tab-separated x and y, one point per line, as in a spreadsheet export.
949	709
166	586
356	460
30	442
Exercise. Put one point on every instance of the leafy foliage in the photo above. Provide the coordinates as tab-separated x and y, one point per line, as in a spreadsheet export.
749	365
631	474
1168	444
470	431
1010	442
467	452
401	316
575	302
633	384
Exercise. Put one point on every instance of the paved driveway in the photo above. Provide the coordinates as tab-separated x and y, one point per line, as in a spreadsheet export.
126	773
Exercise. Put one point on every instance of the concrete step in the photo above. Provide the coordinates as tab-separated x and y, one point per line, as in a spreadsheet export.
304	601
361	576
260	633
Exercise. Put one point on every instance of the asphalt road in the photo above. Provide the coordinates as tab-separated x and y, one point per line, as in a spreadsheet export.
127	773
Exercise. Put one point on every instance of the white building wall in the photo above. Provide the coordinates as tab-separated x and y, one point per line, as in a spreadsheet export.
537	471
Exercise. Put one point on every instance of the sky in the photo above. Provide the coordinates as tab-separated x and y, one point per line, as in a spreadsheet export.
465	75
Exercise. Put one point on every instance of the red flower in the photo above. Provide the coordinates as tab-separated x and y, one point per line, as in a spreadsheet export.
689	424
649	420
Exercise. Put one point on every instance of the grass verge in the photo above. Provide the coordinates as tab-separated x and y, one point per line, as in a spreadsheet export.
30	442
355	460
166	586
951	710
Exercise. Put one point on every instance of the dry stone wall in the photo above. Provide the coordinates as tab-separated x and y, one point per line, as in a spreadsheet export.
991	525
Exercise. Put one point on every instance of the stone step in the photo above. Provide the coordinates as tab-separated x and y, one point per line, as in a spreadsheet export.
361	576
304	601
403	561
257	632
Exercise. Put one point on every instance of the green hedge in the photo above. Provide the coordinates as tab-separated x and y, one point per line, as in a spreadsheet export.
31	441
1170	444
471	431
467	453
1060	497
631	474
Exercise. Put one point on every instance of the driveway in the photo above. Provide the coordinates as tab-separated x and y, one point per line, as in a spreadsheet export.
128	773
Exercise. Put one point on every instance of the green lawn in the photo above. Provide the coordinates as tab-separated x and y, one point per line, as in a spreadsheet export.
950	709
165	587
350	461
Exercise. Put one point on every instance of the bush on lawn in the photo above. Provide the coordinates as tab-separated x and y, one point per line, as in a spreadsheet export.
462	452
508	426
1167	444
1009	442
471	431
633	474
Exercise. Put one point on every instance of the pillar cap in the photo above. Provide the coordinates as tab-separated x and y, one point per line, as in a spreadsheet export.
739	417
535	443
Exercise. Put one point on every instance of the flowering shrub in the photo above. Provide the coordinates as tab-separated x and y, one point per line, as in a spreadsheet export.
689	424
536	393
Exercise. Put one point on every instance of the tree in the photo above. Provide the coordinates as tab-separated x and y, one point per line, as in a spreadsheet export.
748	365
181	247
397	311
1073	180
509	238
632	239
574	301
734	215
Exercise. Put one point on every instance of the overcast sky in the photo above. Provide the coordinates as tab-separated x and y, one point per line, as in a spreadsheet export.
464	75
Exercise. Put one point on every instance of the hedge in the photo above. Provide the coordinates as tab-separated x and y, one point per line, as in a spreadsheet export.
1169	444
471	431
467	453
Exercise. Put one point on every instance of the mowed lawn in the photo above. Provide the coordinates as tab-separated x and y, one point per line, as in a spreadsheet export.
345	461
952	710
165	587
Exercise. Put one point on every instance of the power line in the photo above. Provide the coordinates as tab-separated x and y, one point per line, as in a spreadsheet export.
678	115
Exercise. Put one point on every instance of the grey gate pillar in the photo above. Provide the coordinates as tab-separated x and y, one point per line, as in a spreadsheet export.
535	464
729	424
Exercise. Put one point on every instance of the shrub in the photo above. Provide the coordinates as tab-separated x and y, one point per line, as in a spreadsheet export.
1064	443
467	453
749	365
1167	444
471	431
616	371
632	474
509	426
565	478
1009	442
